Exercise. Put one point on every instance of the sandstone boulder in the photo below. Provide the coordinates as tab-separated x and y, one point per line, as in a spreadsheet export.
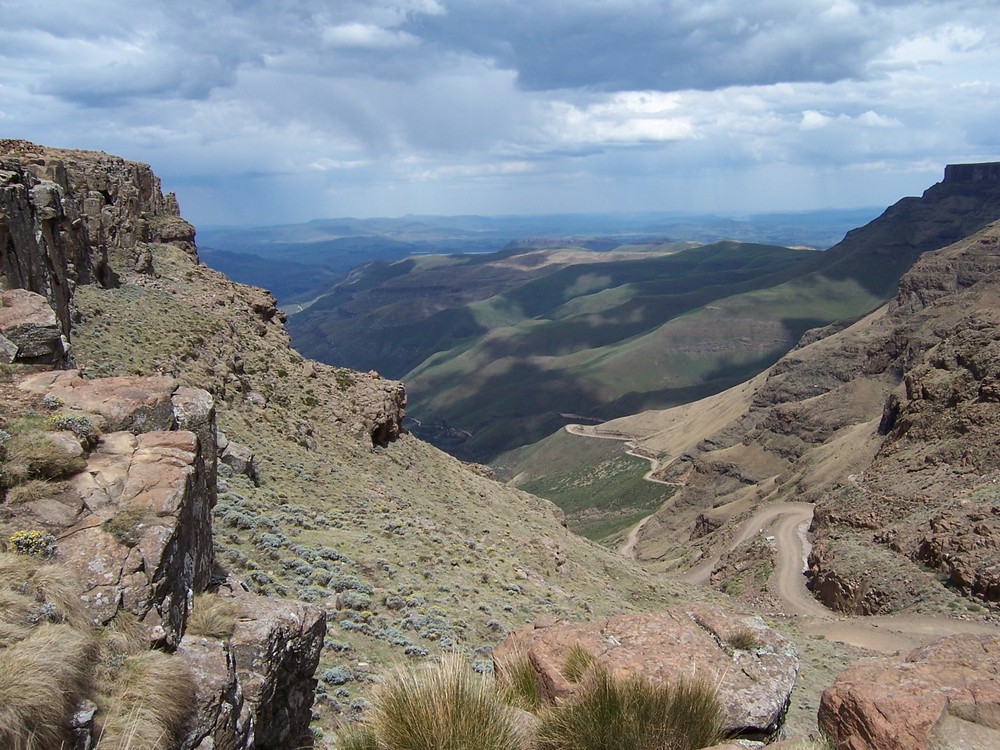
945	696
256	689
132	403
240	459
754	685
29	330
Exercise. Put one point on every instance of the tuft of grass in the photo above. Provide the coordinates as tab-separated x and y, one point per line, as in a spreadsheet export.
576	662
31	453
32	490
744	639
42	679
32	593
633	714
517	681
358	739
447	707
212	616
151	705
128	524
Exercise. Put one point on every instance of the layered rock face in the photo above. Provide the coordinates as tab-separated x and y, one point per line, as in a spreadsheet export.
29	330
131	514
754	681
255	689
62	212
945	696
888	426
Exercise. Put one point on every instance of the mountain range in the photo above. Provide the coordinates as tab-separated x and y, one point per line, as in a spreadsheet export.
499	350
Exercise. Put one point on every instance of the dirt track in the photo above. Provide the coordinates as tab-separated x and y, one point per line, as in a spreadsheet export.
788	523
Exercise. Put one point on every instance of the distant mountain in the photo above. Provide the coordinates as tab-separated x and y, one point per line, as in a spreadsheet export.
498	349
297	262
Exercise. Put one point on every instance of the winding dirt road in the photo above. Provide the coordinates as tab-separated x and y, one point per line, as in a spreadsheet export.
788	524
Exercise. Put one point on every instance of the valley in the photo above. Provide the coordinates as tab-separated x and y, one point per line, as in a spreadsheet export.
495	348
183	489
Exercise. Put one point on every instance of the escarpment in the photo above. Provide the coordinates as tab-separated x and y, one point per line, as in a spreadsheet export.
111	483
887	427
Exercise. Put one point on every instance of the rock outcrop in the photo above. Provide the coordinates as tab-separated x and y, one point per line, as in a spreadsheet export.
945	696
754	679
29	331
62	212
129	508
255	689
888	427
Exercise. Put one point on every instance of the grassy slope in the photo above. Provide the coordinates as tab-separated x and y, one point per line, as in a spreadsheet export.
432	556
492	385
598	486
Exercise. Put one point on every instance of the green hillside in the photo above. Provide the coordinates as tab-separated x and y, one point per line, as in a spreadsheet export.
499	350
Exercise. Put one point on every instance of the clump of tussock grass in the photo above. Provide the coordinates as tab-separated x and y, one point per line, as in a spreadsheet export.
606	713
447	707
32	593
42	679
212	616
744	639
517	682
151	703
32	453
32	490
576	661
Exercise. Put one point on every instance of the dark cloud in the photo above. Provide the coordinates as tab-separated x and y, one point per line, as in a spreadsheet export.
612	46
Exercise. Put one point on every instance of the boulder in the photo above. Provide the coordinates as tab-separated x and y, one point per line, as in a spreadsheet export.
132	403
754	686
256	689
29	330
944	696
240	459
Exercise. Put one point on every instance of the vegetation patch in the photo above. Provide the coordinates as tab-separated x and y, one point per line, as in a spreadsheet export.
576	662
633	714
212	616
445	708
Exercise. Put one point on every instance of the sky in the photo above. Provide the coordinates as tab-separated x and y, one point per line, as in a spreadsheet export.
280	111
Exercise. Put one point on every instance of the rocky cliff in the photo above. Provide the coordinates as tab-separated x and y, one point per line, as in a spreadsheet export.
114	480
